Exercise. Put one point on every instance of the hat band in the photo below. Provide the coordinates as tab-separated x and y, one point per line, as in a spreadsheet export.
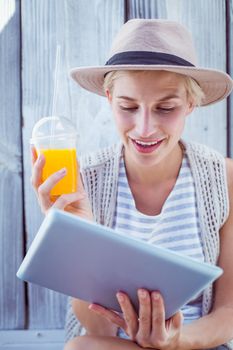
146	58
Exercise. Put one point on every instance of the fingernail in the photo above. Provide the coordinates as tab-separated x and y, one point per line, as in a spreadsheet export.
120	297
142	294
155	296
61	172
40	158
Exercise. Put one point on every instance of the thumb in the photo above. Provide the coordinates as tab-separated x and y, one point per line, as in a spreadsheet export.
66	199
177	319
79	179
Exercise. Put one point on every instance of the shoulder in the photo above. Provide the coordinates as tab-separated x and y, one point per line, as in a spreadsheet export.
209	171
202	151
100	158
229	171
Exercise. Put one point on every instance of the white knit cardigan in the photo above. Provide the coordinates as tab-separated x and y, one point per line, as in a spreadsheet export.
100	176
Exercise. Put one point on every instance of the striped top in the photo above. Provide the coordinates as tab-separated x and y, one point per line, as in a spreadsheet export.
176	227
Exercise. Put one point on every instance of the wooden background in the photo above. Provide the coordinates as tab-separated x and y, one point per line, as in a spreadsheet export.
29	32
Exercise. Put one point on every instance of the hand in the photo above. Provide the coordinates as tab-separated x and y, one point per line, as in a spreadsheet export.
76	203
149	329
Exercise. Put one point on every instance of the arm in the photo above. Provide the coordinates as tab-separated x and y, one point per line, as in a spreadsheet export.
151	330
78	204
93	323
217	327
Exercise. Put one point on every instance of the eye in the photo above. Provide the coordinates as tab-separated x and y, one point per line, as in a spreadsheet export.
129	109
165	110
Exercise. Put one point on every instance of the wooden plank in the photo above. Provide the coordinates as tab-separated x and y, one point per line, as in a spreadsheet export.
211	48
84	33
145	9
229	14
12	304
93	33
32	340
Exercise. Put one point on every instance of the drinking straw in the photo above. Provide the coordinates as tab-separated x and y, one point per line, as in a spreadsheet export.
55	90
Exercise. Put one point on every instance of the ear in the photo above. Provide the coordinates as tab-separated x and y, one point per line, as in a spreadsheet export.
190	108
108	95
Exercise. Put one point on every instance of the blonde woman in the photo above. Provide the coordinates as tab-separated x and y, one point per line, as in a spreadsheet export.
156	187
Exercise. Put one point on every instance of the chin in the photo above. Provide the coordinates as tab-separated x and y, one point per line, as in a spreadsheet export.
147	163
144	160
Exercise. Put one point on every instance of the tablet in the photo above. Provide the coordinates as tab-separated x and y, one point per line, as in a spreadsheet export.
91	262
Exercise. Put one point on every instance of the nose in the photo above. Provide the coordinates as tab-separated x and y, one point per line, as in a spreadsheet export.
146	124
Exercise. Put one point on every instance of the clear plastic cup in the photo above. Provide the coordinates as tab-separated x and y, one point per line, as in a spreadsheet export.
56	138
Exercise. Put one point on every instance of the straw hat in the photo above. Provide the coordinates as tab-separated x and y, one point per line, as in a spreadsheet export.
155	44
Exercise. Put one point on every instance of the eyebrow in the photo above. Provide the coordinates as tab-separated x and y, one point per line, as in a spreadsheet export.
164	98
126	98
169	97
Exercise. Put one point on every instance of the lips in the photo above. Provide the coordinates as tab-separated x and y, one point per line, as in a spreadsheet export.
146	146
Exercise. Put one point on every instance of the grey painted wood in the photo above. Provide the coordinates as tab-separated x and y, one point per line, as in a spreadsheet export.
12	306
84	30
146	9
39	20
230	67
32	340
206	21
84	33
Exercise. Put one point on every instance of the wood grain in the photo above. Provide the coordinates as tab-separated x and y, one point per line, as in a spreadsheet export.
229	14
12	306
32	340
206	20
84	33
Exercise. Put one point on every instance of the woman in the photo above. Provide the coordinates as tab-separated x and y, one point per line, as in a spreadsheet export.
156	187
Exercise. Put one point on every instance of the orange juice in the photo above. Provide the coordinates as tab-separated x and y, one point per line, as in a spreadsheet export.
56	159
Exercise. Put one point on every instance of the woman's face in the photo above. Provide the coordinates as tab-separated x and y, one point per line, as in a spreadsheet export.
150	110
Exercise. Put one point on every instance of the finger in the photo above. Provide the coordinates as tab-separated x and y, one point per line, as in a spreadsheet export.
80	179
67	199
129	314
33	155
37	168
158	317
80	187
45	188
177	320
144	314
108	314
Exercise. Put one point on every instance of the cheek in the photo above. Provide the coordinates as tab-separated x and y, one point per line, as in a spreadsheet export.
123	123
175	123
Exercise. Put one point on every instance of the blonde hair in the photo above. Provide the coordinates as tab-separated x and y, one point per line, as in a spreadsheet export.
194	91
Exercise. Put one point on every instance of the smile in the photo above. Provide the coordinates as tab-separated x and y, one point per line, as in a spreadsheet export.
146	147
146	143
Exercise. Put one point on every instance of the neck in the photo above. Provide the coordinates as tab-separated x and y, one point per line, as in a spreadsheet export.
166	170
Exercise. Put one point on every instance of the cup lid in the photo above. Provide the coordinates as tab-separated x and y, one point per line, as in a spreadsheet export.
53	126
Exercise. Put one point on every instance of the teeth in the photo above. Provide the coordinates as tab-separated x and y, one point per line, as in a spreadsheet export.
146	143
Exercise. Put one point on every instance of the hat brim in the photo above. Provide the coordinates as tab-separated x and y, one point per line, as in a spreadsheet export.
215	84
